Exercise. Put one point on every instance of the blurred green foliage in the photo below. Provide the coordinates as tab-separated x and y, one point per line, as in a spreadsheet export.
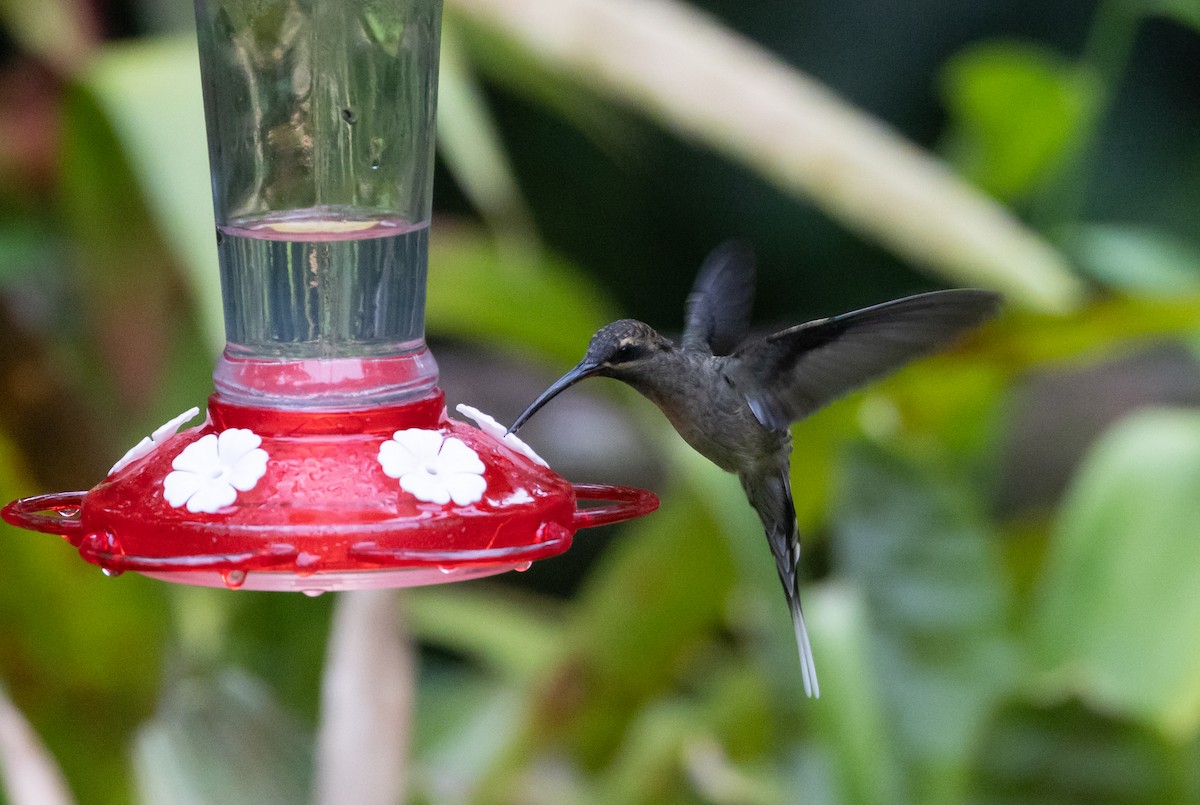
968	650
1017	109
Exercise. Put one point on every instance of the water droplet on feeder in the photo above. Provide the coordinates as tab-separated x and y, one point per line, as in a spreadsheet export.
521	568
446	569
313	593
111	572
306	564
233	578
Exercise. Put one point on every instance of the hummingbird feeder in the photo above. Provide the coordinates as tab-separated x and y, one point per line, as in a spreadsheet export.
327	460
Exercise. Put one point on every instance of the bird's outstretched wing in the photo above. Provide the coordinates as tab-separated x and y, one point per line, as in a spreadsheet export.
718	308
789	375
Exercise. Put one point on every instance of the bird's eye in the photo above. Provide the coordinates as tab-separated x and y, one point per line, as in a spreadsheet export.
624	353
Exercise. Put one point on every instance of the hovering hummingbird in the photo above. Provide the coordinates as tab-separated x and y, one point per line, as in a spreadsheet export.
734	406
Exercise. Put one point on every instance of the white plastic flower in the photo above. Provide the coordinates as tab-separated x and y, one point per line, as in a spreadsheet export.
493	428
433	468
213	469
146	446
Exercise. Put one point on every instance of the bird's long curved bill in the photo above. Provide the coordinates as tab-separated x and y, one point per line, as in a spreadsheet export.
582	370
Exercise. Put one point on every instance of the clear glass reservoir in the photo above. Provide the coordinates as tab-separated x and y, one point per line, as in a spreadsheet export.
320	121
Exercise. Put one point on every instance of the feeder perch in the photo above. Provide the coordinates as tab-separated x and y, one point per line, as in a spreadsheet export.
327	459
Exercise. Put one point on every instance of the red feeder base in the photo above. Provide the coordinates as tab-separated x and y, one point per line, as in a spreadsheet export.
323	513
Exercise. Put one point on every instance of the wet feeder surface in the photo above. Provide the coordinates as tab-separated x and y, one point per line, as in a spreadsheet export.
326	510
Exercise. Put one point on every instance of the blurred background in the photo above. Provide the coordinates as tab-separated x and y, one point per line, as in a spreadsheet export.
1002	542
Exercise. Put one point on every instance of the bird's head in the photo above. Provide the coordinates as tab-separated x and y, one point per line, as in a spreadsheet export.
622	350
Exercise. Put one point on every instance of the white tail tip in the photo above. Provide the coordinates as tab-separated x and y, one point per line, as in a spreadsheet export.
808	668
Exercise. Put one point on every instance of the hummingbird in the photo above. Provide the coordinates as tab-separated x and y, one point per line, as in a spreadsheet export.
734	404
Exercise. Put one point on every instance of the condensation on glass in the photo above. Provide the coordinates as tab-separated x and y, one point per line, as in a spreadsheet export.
321	126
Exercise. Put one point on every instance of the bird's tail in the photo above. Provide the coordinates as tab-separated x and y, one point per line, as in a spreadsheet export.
771	497
808	668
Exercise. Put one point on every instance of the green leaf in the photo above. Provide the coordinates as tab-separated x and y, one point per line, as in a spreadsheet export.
222	739
681	747
1019	342
937	603
654	599
69	634
469	143
119	259
27	248
821	438
1137	260
517	635
124	271
539	304
849	719
1015	110
696	78
647	768
653	602
1068	753
149	91
28	772
279	639
1186	12
1118	615
464	723
511	65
